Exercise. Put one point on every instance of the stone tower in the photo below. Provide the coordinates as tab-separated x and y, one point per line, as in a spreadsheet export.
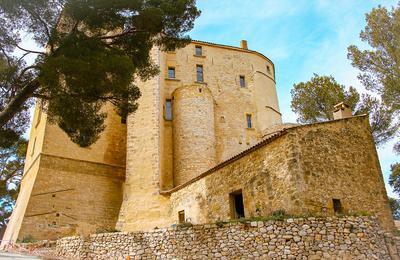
209	103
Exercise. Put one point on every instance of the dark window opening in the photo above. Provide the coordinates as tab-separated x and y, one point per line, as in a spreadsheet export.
268	69
242	82
54	195
200	90
168	109
337	206
199	72
123	120
181	215
237	206
198	51
249	121
171	72
58	214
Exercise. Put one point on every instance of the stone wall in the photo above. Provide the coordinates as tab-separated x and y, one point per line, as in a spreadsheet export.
310	238
299	170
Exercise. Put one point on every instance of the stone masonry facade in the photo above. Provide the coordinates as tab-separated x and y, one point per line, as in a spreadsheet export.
207	144
301	238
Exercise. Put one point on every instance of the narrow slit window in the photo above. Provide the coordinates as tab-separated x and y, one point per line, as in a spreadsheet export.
268	69
249	121
168	109
171	72
33	147
181	216
38	117
337	206
237	205
199	71
198	51
242	81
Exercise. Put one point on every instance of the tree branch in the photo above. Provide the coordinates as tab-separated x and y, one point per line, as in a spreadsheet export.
30	51
15	104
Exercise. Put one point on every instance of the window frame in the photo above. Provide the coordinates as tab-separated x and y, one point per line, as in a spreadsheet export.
242	81
168	110
200	48
197	73
171	69
249	121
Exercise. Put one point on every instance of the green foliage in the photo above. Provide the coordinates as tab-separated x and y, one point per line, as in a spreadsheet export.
95	50
28	239
395	207
12	162
106	230
313	101
185	224
380	64
394	178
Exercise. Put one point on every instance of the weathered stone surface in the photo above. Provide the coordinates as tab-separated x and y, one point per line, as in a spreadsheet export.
244	241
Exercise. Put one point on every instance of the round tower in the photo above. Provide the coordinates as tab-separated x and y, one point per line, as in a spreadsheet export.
193	132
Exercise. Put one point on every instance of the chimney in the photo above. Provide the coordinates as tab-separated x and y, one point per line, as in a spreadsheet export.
342	111
243	44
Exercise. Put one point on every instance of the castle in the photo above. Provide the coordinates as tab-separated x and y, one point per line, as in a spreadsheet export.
206	144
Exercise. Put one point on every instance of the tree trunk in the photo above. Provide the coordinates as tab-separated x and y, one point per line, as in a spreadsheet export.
15	104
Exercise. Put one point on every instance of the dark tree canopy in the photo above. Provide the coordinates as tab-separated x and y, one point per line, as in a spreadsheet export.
89	53
313	101
395	207
394	179
380	64
12	162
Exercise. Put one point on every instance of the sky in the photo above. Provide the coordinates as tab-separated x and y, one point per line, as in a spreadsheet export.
301	37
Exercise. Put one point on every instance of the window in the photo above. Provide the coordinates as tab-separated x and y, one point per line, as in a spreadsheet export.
168	109
33	147
337	206
181	216
199	71
268	69
237	205
248	120
242	81
171	72
123	120
198	51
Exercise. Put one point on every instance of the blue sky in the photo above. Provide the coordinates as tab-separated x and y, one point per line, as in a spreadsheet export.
301	37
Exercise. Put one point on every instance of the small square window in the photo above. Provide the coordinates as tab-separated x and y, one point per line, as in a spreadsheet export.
199	72
249	121
181	216
242	81
171	72
268	69
123	120
198	51
168	110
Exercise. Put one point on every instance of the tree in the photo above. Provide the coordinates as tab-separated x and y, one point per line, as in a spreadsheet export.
313	101
12	162
395	207
380	65
394	178
94	50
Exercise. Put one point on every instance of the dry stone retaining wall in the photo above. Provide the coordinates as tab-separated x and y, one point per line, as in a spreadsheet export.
309	238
